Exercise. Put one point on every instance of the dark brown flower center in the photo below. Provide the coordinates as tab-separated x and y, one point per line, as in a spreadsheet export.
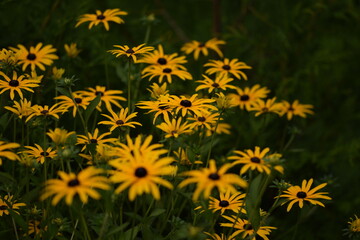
140	172
226	67
201	45
185	103
73	183
162	61
248	226
14	83
44	112
130	51
255	160
100	17
167	70
214	176
291	109
99	93
244	97
93	140
78	100
119	122
3	207
44	154
31	56
201	119
215	85
163	107
301	194
265	109
224	203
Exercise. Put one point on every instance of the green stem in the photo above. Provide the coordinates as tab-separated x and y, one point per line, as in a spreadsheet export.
15	229
86	230
129	85
80	113
212	138
75	226
103	226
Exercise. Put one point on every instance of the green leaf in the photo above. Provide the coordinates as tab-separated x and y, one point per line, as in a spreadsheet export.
253	200
91	107
116	229
63	91
6	178
157	212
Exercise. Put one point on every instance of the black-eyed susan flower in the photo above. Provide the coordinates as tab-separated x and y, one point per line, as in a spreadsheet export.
226	66
36	229
108	97
228	201
83	184
166	72
160	107
219	83
94	138
223	101
4	151
125	152
37	56
45	111
142	175
245	98
22	108
203	47
244	227
206	120
158	57
16	84
78	101
353	229
122	119
8	58
253	160
269	106
209	178
295	109
71	50
174	127
39	154
57	73
304	193
157	90
192	105
221	128
216	236
7	202
59	136
131	51
109	15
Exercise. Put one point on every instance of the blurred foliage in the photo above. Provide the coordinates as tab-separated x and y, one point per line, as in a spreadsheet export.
307	50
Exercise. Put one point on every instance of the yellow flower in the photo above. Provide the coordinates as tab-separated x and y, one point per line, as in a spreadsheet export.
71	50
83	184
208	178
261	107
166	71
299	194
36	56
220	83
21	109
16	84
57	73
104	18
142	175
45	111
59	136
157	57
193	105
120	120
8	58
94	138
174	128
199	47
4	151
38	153
131	52
7	203
227	201
158	90
78	101
220	129
218	237
161	107
226	66
354	225
246	98
206	120
295	109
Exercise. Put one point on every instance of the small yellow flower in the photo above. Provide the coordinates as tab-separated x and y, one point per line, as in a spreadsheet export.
131	52
7	203
71	50
59	136
102	17
57	73
203	47
120	120
174	128
295	109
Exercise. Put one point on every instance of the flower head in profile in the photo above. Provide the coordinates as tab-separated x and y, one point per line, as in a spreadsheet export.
246	98
174	127
77	102
227	201
59	136
16	84
132	52
158	57
203	47
160	107
192	105
297	194
353	229
227	66
166	72
157	90
8	58
94	138
39	154
142	175
206	120
220	83
37	56
295	109
122	119
263	107
83	184
209	178
4	151
110	15
22	108
71	50
245	228
7	202
221	128
45	111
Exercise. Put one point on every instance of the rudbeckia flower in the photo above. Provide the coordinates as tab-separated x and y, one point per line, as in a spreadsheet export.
166	72
227	66
131	51
7	203
245	98
16	84
219	83
295	109
122	119
21	109
39	154
110	15
227	201
203	47
94	138
4	151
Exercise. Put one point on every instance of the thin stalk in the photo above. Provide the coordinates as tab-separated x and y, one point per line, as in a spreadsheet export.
129	85
73	233
106	62
15	229
212	138
79	112
103	226
86	230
